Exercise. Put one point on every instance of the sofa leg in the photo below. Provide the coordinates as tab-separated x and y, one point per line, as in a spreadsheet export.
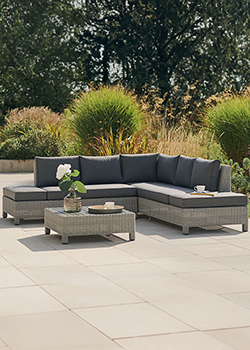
245	227
149	218
131	236
4	215
16	221
64	239
185	230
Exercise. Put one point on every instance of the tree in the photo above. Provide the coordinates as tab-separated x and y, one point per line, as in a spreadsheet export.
166	43
39	61
51	48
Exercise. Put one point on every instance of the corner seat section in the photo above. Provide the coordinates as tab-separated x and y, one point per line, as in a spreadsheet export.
180	196
174	204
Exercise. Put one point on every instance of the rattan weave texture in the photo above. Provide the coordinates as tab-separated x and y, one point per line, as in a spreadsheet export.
35	209
84	223
194	217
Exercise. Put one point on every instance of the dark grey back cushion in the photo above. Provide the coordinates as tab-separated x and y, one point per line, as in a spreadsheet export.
184	171
100	169
206	172
45	169
166	168
139	167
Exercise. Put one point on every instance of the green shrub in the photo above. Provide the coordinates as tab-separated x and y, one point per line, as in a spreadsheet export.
98	110
21	120
33	142
241	177
229	120
31	132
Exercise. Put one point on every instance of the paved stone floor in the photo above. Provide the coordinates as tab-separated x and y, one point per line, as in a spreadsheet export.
164	291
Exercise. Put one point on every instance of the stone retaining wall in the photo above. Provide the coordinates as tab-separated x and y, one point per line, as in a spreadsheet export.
16	166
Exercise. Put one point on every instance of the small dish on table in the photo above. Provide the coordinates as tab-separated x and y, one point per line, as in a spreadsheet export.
101	209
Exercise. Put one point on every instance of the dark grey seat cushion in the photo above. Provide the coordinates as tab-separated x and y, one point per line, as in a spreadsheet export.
205	172
180	196
184	171
221	199
94	191
166	168
24	193
45	169
54	193
109	190
139	167
157	191
100	170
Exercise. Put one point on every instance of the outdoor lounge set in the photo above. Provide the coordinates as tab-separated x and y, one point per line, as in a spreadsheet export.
156	185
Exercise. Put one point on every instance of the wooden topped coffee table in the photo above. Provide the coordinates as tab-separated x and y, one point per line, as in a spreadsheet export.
83	223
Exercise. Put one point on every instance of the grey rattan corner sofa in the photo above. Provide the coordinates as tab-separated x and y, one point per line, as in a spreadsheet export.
156	185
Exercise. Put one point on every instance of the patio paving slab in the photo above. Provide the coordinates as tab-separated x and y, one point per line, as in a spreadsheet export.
131	320
100	256
141	280
78	286
241	263
62	330
230	232
186	240
27	258
193	263
216	250
2	345
162	291
3	262
76	242
179	341
146	247
27	300
242	299
205	312
238	338
220	282
93	291
240	242
12	277
55	275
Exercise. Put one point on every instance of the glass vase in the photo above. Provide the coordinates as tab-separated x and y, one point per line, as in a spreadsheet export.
71	202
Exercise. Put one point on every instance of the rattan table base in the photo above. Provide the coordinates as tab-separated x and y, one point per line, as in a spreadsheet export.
83	223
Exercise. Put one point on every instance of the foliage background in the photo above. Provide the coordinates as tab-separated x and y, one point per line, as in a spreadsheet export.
51	49
39	61
176	56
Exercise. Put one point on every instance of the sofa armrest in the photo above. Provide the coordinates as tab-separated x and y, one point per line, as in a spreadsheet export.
224	184
35	174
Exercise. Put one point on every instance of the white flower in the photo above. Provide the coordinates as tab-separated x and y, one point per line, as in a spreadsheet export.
67	167
62	170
